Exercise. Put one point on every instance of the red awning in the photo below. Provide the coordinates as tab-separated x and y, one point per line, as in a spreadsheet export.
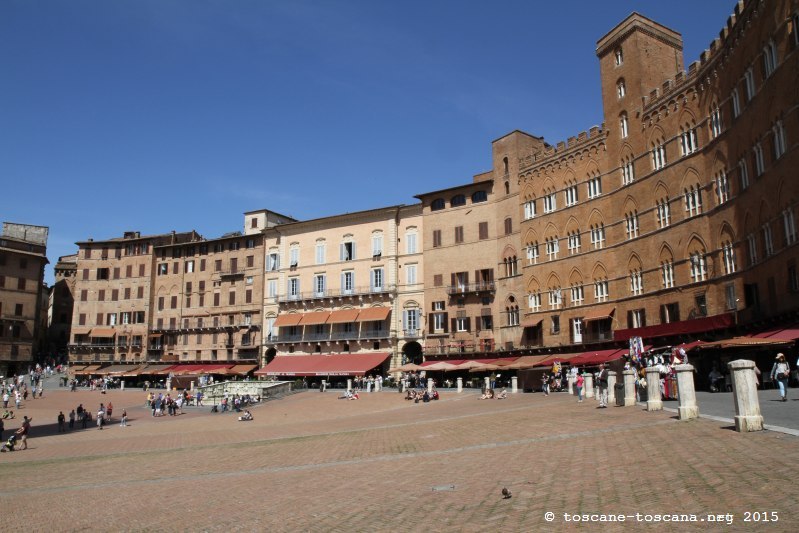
197	369
563	358
288	320
598	356
788	334
531	322
600	313
699	325
314	319
373	314
102	332
342	316
356	364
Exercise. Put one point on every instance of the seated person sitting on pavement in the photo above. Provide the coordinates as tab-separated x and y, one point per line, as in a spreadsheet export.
502	395
347	395
435	395
488	394
8	446
246	416
410	394
354	396
8	414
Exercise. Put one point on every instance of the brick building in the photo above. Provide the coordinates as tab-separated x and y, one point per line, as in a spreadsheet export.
23	256
678	215
61	301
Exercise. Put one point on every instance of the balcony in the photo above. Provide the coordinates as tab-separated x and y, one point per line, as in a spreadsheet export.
328	293
411	333
374	334
90	347
231	274
469	288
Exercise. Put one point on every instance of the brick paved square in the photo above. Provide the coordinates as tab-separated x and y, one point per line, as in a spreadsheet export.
311	462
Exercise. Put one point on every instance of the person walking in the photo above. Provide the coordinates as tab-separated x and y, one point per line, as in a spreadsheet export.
780	373
72	419
62	427
23	431
124	419
579	383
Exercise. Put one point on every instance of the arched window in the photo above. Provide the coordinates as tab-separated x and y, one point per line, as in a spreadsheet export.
619	56
457	200
479	196
437	204
623	125
621	88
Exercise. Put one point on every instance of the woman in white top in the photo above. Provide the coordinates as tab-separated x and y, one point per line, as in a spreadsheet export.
779	373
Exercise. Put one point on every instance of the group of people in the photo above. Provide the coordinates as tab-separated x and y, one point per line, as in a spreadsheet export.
422	395
489	394
368	383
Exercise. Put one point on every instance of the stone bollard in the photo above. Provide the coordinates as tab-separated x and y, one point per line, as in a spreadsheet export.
430	385
570	381
686	394
349	384
514	384
488	383
744	391
629	387
654	401
588	386
122	384
460	384
611	387
323	386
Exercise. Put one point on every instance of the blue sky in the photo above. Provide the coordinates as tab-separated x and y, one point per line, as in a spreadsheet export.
154	115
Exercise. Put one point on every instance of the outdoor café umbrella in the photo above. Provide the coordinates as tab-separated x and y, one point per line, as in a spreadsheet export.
408	367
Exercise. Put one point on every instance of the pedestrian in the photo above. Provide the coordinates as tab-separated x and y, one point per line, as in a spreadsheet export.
780	373
2	428
62	422
100	417
6	397
579	383
72	419
18	398
124	418
602	385
22	432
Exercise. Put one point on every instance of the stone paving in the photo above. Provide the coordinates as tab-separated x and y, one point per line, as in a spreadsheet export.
311	462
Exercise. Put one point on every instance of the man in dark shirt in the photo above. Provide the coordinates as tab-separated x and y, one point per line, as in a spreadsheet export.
22	432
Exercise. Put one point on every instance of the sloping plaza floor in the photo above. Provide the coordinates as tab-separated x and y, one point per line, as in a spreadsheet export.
311	462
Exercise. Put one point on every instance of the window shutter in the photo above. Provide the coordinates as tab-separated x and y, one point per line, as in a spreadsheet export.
405	320
354	255
454	324
445	323
630	319
468	324
342	252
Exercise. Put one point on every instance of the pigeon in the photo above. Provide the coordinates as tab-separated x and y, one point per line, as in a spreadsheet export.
506	493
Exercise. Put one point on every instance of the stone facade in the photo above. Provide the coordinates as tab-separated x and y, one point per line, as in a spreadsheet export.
23	255
329	271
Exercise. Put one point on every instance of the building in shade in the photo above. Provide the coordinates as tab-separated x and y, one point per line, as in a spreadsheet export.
23	256
61	301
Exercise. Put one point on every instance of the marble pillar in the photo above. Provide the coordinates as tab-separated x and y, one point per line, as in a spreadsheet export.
629	387
744	391
686	393
654	400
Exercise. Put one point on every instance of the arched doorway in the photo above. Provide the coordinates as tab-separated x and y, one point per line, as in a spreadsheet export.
412	353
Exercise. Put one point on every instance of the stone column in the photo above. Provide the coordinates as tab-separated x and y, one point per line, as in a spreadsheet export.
654	401
488	383
686	394
588	386
611	387
514	384
629	387
744	391
570	381
430	385
122	384
460	384
349	384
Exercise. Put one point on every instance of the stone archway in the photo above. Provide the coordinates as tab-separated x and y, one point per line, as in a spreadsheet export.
412	353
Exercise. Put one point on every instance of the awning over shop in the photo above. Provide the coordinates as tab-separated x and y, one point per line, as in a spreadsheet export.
526	361
698	325
80	331
356	364
314	319
240	370
787	334
739	342
288	320
342	316
562	358
132	372
600	313
75	368
179	370
116	369
373	314
531	322
154	369
598	356
103	332
156	335
91	369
